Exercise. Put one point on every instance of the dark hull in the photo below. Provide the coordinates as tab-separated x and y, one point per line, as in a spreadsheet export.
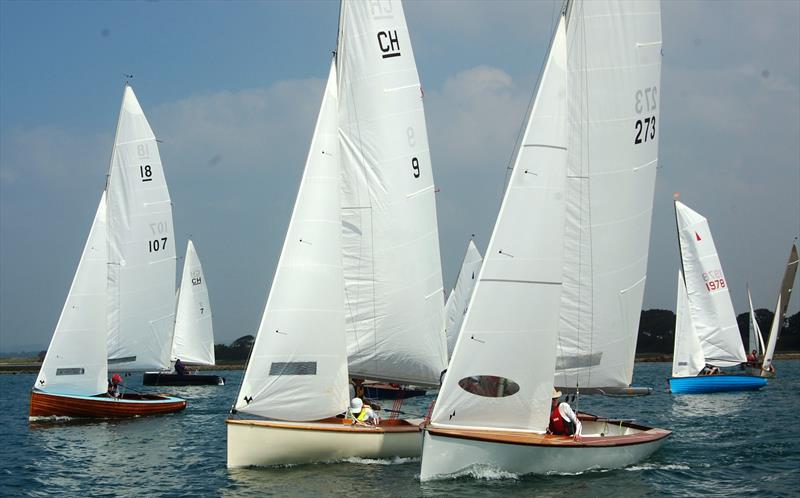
130	405
172	379
386	391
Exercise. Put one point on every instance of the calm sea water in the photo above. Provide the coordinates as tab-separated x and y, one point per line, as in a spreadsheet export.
722	445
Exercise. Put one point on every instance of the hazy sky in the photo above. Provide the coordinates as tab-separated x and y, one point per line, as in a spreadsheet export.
233	89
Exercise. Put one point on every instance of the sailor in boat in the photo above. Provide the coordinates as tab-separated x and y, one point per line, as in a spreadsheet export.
563	420
180	368
356	388
362	414
709	370
113	386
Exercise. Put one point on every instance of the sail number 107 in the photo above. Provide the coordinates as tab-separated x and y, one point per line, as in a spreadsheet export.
157	244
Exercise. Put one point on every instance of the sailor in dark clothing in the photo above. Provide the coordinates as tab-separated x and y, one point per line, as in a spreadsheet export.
180	369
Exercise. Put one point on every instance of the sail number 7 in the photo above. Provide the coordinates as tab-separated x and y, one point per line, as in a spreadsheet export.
158	244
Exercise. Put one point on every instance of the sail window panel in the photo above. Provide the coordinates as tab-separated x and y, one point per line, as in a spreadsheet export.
280	368
489	386
117	361
70	371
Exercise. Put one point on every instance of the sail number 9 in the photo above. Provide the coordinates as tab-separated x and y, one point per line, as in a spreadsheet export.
415	166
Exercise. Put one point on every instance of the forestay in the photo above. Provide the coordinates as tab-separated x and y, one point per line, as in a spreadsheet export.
501	372
76	358
141	247
193	341
614	61
709	299
298	365
687	358
458	300
393	283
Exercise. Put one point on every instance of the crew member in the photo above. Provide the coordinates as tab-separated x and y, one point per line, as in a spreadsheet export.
563	420
113	386
361	413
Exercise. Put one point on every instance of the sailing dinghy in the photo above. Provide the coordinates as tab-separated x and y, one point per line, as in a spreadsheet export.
494	405
193	338
357	291
766	369
116	302
706	333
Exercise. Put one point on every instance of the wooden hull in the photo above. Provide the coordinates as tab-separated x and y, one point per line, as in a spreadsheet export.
606	444
260	443
74	406
715	384
172	379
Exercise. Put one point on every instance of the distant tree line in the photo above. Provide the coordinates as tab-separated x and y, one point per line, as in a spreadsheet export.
238	350
656	334
657	330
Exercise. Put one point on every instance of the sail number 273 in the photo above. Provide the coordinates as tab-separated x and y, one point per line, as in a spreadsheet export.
645	102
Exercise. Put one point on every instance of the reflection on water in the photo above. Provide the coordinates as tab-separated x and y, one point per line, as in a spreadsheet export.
709	405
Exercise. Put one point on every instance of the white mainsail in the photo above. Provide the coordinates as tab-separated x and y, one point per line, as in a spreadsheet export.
613	94
783	305
687	358
76	358
298	365
755	339
193	340
458	301
141	247
773	338
709	299
501	372
392	269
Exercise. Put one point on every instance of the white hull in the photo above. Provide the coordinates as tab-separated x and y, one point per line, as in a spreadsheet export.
447	456
253	443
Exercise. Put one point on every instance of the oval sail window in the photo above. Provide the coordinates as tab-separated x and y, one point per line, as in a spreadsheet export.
489	386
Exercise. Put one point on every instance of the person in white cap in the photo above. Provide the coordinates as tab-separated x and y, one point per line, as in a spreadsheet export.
563	420
361	413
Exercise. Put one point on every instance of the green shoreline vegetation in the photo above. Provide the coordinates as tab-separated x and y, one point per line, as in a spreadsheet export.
656	338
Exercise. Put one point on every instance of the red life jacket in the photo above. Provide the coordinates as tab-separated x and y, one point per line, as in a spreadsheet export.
557	425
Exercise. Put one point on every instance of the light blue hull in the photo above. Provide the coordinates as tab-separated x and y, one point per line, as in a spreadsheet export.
715	384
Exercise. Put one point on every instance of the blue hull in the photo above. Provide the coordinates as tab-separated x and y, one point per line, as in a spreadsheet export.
715	384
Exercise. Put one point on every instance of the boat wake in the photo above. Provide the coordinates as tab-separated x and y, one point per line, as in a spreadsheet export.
480	472
382	461
656	466
51	418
